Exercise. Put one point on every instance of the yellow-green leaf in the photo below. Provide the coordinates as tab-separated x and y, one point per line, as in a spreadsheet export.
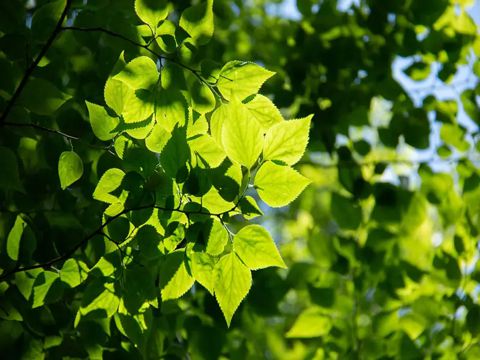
70	168
239	79
286	141
254	245
279	185
232	284
14	237
242	136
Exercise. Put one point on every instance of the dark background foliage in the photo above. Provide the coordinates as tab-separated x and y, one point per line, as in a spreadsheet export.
382	248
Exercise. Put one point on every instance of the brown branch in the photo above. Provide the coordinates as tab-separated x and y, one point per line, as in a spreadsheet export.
99	231
57	132
111	33
32	67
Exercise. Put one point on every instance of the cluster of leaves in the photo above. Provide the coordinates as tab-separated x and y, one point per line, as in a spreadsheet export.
119	196
382	250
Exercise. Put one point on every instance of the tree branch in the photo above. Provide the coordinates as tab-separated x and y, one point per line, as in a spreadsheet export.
196	73
32	67
99	231
57	132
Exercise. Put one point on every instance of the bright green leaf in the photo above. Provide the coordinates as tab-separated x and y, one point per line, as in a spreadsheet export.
264	111
203	99
232	284
157	139
140	73
73	272
287	141
152	12
242	136
70	168
209	153
101	298
103	125
254	245
43	288
203	266
216	238
175	276
279	185
197	21
170	109
110	181
14	237
239	79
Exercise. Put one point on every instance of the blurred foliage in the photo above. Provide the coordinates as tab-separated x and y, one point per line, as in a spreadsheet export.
382	248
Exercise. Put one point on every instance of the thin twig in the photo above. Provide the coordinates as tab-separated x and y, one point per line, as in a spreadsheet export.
33	66
58	132
195	72
99	231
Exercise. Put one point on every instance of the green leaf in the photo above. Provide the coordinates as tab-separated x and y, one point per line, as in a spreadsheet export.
115	93
14	237
203	99
203	266
239	79
9	167
99	297
103	125
166	39
264	111
279	185
242	136
110	181
137	106
197	21
209	153
310	323
48	102
171	109
152	12
70	168
254	245
175	276
287	141
232	284
176	152
216	238
248	207
73	272
44	288
157	139
140	73
216	122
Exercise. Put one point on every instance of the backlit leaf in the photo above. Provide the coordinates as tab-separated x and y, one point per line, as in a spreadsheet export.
242	136
279	185
70	168
286	141
239	79
140	73
102	123
197	21
152	12
175	276
254	245
232	284
14	237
